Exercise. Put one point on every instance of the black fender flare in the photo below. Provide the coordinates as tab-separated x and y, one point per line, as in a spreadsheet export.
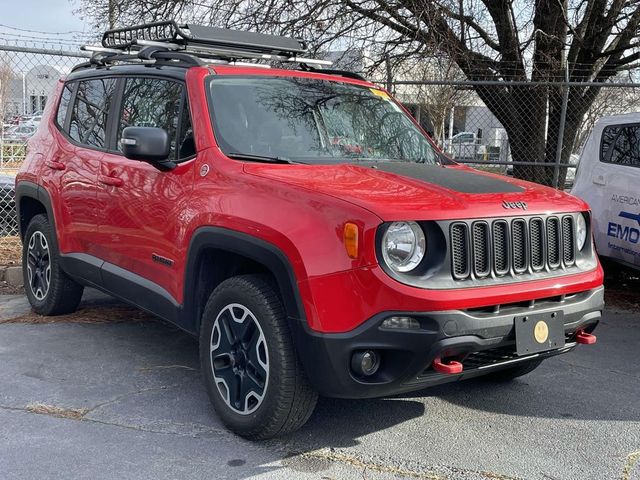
253	248
26	189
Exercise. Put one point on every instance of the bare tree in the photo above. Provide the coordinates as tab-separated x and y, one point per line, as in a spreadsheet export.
435	99
609	101
6	75
490	40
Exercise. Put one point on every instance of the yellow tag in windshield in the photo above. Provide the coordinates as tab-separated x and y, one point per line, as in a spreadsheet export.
380	93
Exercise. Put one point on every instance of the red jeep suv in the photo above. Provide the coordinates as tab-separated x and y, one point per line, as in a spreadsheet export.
298	221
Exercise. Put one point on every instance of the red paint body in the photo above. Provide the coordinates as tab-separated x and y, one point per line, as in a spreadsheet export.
301	209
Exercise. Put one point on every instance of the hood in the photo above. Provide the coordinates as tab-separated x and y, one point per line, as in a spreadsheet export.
410	191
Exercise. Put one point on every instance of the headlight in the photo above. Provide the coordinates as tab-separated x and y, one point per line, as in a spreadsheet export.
403	246
581	231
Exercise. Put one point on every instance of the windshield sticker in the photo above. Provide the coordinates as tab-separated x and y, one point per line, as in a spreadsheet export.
380	93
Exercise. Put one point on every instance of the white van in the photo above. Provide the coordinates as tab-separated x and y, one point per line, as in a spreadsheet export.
608	178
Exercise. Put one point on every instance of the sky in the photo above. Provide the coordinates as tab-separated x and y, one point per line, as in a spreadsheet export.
43	15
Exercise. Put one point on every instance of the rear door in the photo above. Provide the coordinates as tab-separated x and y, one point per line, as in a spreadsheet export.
71	166
139	206
615	199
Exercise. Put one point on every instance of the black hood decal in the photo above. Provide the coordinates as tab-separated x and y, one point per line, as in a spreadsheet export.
457	180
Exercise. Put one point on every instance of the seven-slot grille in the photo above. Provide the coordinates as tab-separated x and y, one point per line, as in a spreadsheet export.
501	247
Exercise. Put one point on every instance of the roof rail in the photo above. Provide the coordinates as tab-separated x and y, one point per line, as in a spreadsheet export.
211	43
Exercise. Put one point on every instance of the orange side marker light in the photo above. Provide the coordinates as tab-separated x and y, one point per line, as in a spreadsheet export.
350	238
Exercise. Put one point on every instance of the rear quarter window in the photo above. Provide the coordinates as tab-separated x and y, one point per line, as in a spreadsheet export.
63	106
620	145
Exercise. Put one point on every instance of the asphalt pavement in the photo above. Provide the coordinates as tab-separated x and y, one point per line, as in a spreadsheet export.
110	393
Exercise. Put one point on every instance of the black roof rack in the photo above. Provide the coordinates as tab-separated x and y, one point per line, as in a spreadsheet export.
340	73
144	43
167	43
199	35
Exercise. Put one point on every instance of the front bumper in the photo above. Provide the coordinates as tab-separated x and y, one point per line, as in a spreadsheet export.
482	339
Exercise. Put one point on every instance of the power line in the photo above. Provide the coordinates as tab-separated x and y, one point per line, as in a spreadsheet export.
39	31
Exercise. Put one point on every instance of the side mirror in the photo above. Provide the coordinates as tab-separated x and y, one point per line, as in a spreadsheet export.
147	144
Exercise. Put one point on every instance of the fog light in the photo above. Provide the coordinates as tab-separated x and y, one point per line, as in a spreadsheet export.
401	323
365	363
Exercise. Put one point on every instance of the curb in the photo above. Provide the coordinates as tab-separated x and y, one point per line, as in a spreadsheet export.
12	275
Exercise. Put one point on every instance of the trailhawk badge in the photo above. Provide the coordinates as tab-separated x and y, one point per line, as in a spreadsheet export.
521	205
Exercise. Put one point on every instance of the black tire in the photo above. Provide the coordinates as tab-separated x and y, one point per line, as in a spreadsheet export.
511	373
287	400
62	294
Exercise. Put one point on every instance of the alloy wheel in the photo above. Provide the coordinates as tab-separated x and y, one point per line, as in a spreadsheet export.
38	265
239	359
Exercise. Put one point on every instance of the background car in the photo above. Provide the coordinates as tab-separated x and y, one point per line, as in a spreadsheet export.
466	146
19	134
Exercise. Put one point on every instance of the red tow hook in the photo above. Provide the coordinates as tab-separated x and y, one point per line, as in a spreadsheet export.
450	368
585	338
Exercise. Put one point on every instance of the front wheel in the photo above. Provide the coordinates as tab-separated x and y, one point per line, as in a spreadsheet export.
250	368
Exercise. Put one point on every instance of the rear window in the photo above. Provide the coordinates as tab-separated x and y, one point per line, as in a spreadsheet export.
621	145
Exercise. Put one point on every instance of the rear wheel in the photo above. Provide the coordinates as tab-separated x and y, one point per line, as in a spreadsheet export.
49	290
511	373
250	368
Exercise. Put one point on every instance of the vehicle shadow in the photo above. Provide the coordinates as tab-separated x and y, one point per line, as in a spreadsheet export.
561	388
145	374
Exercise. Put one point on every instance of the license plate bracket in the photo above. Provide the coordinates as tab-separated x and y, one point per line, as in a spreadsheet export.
539	332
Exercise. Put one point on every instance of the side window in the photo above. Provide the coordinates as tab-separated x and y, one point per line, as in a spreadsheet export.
621	145
90	112
63	106
152	102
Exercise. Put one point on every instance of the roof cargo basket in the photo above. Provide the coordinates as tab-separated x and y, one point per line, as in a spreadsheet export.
198	35
206	42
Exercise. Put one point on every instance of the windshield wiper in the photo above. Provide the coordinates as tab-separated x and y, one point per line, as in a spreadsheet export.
258	158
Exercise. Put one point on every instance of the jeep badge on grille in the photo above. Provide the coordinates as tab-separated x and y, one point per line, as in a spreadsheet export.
521	205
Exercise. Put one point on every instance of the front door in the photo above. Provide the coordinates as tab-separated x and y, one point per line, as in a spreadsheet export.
140	206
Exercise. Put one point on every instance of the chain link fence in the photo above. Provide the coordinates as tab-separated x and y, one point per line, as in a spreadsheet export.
534	131
27	77
528	130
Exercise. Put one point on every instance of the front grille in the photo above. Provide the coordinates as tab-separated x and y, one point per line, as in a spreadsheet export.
553	233
481	249
537	243
568	241
490	357
501	247
459	248
519	231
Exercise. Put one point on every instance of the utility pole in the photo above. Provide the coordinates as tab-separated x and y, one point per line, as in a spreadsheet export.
112	14
389	82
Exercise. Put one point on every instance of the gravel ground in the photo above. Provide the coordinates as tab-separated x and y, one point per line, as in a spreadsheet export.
111	393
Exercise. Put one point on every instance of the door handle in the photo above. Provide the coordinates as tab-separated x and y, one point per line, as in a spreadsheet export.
53	165
599	180
111	181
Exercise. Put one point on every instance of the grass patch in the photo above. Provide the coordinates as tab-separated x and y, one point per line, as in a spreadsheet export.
10	251
54	411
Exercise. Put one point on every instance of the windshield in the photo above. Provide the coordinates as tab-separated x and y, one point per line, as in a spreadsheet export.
308	120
